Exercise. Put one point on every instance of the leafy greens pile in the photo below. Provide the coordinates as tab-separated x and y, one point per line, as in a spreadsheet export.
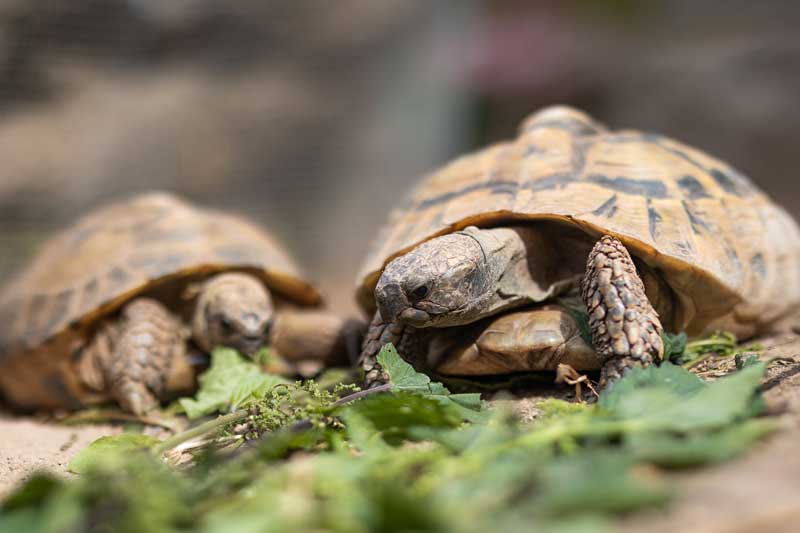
411	457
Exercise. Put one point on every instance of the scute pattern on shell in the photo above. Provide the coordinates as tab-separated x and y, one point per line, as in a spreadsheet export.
718	241
114	253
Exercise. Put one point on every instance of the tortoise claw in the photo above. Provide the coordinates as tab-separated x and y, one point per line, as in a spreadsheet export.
134	397
378	334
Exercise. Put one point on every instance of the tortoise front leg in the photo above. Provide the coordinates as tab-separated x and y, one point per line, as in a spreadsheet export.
625	328
378	335
411	344
143	359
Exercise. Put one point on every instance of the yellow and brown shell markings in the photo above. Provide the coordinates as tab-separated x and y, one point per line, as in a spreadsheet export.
730	255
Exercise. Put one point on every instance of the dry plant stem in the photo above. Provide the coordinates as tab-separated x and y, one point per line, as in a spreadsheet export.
199	431
363	394
694	362
94	416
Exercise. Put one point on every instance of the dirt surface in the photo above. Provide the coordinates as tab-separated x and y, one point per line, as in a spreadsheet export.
28	445
755	493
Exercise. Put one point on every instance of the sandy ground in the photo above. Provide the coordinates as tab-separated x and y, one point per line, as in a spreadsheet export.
755	493
28	445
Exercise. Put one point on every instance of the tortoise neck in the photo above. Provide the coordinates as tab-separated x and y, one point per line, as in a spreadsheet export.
522	263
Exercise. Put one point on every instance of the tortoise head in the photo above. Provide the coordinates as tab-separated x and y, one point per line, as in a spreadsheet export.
233	310
445	281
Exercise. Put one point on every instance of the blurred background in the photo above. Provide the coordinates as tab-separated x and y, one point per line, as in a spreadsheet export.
315	117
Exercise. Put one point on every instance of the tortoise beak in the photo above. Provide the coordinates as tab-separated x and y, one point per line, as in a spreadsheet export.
254	335
395	307
251	345
414	317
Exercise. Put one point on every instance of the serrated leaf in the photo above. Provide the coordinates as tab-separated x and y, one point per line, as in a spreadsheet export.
395	414
402	374
671	398
107	450
229	383
404	378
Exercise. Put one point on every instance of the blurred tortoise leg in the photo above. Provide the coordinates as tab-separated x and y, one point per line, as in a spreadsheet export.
308	341
626	330
141	359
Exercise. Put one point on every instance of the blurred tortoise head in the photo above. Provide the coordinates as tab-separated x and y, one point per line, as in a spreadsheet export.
234	310
649	229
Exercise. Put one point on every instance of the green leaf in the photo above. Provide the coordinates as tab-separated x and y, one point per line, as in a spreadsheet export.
402	374
671	398
394	415
362	433
229	383
34	492
721	342
598	482
551	408
107	450
674	346
698	448
404	378
406	460
744	360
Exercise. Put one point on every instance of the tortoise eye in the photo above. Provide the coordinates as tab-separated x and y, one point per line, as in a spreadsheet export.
420	292
226	326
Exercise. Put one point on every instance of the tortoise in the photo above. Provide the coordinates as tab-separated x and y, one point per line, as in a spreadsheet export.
120	304
647	232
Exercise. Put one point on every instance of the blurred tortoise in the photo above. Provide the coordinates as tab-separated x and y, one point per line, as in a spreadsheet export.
646	231
107	308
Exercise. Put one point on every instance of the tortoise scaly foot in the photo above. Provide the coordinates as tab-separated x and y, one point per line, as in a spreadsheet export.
138	368
378	335
625	328
411	343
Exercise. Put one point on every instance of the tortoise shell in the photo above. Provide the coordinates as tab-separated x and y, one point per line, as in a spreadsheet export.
148	244
728	253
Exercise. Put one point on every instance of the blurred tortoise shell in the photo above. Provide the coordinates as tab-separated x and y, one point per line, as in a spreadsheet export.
155	244
730	255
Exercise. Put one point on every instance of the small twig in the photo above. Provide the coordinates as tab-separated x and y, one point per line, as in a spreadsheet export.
566	374
694	362
363	394
94	416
